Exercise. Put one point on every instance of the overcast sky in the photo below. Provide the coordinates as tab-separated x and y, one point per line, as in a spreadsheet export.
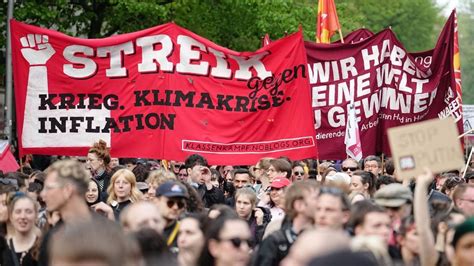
450	5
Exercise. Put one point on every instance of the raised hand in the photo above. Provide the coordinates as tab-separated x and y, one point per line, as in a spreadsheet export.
36	49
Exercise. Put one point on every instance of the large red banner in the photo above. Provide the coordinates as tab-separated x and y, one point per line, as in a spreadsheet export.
163	92
389	87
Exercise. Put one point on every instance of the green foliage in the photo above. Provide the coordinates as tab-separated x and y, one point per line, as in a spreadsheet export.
466	46
238	25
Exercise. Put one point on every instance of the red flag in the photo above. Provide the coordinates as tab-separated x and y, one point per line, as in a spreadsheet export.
457	60
7	160
328	23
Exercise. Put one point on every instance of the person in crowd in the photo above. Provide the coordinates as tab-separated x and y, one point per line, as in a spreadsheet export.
240	178
122	191
114	162
93	193
463	198
129	163
389	167
344	257
451	183
469	177
175	167
314	243
332	209
349	166
200	176
373	164
369	219
397	200
24	242
183	174
297	171
409	241
98	159
275	200
191	238
82	244
279	168
227	242
215	176
22	180
463	242
327	173
64	188
153	247
300	204
362	186
193	201
226	172
256	217
5	189
170	199
142	214
141	172
383	180
261	177
340	180
37	177
220	209
155	179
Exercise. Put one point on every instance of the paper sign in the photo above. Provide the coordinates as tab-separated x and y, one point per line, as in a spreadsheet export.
433	144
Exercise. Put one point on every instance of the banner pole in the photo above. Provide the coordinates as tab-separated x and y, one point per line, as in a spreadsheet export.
340	34
9	83
383	163
465	133
467	164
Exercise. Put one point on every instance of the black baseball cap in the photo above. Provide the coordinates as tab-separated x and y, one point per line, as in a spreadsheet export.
172	189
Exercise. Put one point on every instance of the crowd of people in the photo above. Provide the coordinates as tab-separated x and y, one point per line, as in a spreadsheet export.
99	210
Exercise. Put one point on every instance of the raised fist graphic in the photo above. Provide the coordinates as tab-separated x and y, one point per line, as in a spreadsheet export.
36	49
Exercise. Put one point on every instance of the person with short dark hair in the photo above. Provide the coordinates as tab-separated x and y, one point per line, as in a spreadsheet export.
200	177
373	164
227	242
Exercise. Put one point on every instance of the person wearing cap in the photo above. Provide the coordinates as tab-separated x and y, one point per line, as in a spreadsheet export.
275	201
170	199
463	243
397	199
200	178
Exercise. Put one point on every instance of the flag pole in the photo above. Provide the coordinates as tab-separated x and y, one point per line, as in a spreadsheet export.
340	34
9	83
467	164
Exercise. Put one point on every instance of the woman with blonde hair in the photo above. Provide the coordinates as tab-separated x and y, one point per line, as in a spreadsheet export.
155	179
122	191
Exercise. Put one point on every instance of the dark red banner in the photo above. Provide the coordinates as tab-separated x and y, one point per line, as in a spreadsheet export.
389	86
163	92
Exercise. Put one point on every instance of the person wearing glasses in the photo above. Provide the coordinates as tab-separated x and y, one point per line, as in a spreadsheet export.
373	164
298	172
171	200
227	242
349	166
463	198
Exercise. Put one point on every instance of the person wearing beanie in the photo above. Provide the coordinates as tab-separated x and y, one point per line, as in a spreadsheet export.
463	243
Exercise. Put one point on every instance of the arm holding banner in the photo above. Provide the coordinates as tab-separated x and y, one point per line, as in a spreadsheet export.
428	253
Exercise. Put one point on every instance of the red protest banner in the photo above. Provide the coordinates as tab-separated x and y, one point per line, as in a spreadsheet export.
389	86
163	92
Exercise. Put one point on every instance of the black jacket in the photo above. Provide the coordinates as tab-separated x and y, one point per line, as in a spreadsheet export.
258	230
275	247
210	197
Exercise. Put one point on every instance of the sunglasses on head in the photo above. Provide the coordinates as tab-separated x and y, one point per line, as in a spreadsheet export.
237	242
349	168
299	173
171	203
